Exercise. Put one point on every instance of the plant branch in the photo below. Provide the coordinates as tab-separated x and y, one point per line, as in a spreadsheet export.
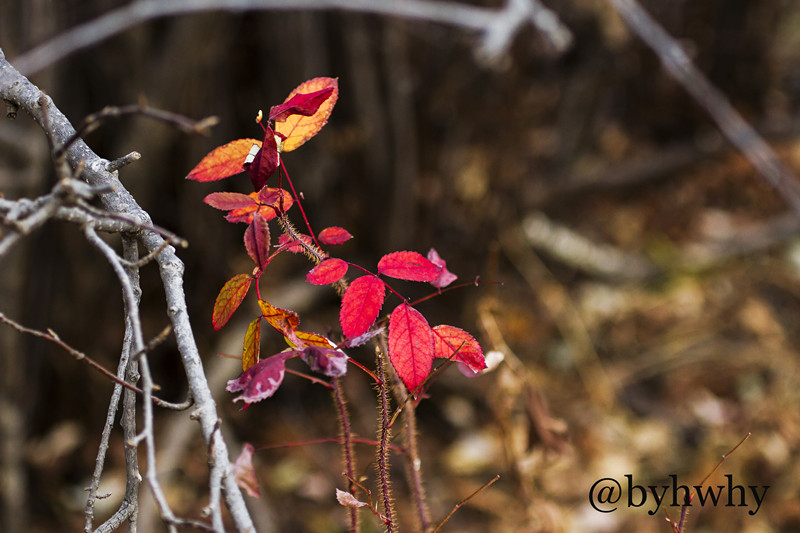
384	434
95	120
740	133
496	26
129	509
413	463
347	447
20	93
465	500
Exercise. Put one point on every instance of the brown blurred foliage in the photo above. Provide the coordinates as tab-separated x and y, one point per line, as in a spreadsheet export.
604	376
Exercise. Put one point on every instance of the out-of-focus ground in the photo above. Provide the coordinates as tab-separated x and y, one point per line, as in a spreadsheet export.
650	296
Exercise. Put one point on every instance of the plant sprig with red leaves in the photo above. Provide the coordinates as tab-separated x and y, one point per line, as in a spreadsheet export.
411	342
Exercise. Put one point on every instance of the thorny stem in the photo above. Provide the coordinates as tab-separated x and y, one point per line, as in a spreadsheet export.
383	448
413	466
347	447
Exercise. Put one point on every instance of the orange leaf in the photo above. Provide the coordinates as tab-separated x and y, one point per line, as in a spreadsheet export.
229	298
223	161
252	344
297	129
283	320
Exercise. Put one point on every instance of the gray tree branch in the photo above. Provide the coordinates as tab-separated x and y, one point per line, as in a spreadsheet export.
496	26
738	131
19	92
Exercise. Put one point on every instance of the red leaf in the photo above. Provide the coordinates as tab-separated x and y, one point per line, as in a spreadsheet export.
244	473
265	162
260	380
408	265
410	345
293	245
229	298
297	129
252	344
334	235
256	241
281	201
445	277
329	271
305	104
223	161
449	339
361	303
227	201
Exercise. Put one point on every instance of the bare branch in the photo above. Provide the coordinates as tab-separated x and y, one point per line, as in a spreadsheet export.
123	161
52	336
730	122
18	91
95	120
129	508
497	26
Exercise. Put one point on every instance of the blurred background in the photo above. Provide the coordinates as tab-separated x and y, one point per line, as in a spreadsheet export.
650	296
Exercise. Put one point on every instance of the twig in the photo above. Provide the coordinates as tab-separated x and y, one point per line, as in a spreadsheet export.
730	122
497	26
679	526
129	509
465	500
52	336
130	298
123	161
95	120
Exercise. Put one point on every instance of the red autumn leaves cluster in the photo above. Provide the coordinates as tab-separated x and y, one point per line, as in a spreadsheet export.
413	343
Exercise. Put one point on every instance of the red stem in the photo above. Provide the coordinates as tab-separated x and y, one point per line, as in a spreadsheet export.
299	204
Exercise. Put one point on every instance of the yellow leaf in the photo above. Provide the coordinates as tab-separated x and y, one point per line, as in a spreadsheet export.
252	344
